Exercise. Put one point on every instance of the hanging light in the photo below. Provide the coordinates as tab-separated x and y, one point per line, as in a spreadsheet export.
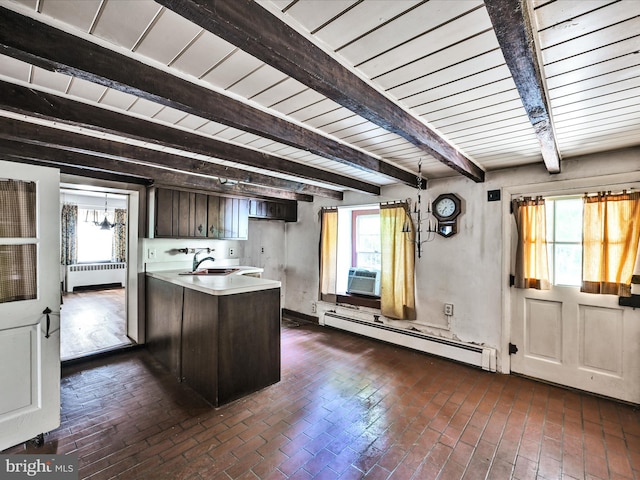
420	219
105	224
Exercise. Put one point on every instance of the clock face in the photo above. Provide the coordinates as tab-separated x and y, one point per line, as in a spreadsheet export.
445	207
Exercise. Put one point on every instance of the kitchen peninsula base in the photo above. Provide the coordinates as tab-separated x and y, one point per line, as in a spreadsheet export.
223	346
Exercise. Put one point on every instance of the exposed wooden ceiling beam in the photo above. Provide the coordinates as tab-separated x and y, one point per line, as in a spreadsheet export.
27	101
40	44
33	133
252	28
512	24
16	150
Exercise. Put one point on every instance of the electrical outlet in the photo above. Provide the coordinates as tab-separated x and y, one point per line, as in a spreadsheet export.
231	252
261	249
448	309
314	307
151	254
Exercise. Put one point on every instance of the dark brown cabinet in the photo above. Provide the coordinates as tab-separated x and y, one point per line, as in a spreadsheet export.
223	346
164	323
273	210
183	214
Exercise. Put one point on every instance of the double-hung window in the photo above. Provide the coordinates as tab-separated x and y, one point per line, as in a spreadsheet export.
564	240
365	243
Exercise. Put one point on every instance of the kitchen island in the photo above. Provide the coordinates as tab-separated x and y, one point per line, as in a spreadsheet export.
218	333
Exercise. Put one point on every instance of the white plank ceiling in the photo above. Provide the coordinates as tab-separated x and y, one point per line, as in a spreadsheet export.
440	60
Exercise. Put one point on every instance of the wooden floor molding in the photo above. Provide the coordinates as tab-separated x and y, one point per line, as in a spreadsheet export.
347	407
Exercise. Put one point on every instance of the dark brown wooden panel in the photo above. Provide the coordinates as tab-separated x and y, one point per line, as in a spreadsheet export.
249	344
251	27
200	343
41	155
40	104
512	24
213	217
28	40
200	215
164	323
14	129
164	213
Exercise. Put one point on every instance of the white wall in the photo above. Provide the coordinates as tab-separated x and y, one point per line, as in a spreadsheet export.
467	269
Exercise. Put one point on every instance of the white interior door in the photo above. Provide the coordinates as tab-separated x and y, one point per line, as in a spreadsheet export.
29	344
577	339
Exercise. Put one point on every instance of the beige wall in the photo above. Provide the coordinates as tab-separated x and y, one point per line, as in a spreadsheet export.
469	269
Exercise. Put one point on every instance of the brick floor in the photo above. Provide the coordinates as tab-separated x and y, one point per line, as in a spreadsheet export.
347	407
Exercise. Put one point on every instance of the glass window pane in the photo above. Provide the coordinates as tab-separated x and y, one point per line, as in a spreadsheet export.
94	244
367	242
549	206
568	265
569	220
18	272
18	212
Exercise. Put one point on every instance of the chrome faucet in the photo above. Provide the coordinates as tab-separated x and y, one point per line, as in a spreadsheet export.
196	262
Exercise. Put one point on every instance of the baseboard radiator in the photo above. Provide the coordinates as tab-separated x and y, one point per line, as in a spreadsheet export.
90	274
476	355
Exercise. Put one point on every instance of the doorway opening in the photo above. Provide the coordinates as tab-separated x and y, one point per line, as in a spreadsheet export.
94	266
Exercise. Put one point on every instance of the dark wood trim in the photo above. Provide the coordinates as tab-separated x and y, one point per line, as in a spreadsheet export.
359	300
303	317
32	102
513	27
249	26
35	134
31	41
38	154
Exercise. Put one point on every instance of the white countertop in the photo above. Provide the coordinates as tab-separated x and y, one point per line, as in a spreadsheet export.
218	284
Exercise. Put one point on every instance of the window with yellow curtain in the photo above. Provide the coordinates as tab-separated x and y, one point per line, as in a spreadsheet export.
328	253
531	265
611	232
397	289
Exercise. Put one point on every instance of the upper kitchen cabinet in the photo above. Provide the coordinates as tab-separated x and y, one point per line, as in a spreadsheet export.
180	213
287	211
183	214
228	218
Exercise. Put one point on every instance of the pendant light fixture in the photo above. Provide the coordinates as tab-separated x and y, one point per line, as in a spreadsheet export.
105	224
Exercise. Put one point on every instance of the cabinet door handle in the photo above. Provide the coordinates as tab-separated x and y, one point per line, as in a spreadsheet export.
200	228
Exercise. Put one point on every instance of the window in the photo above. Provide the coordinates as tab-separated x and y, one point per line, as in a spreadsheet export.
94	244
564	240
365	244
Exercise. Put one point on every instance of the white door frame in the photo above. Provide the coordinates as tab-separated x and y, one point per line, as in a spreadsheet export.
134	327
562	187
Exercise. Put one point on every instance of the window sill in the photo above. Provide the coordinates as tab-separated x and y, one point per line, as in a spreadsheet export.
358	300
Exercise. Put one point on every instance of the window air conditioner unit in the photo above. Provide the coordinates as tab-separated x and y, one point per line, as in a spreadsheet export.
364	282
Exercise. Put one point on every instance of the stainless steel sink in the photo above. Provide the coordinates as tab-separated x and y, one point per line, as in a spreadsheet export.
212	271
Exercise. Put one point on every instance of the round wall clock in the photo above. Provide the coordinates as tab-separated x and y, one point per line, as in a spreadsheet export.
446	209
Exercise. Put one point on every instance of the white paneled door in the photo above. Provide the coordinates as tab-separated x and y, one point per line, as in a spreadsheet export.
30	286
576	339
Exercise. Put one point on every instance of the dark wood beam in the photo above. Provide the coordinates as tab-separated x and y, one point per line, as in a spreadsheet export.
513	27
252	28
27	101
37	43
36	134
16	151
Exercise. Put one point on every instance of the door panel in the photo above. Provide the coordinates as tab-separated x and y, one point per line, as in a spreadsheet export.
577	339
29	344
543	324
600	330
